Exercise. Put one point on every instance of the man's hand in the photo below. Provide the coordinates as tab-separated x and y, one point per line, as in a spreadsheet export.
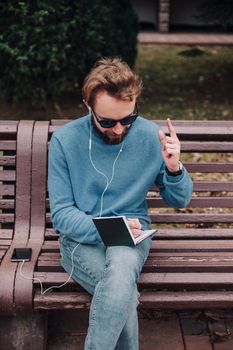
135	227
170	146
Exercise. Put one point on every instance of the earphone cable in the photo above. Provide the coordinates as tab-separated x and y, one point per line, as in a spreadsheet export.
42	290
100	172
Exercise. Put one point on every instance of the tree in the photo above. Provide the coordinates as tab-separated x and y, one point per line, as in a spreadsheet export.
48	46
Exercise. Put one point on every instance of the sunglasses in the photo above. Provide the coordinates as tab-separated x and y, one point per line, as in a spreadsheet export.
109	123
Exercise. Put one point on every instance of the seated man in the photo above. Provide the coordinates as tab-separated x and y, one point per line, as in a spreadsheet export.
103	164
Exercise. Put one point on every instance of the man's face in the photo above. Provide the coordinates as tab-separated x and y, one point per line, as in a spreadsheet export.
108	107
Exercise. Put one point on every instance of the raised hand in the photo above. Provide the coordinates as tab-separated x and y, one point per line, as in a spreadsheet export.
170	146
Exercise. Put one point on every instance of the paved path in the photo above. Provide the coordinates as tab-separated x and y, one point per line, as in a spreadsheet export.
192	330
185	38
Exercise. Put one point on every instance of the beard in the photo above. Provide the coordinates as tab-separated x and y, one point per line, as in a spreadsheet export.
108	136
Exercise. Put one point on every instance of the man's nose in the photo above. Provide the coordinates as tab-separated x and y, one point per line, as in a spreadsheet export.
118	129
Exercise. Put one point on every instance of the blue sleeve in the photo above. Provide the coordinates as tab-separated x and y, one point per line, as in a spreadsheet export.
65	215
176	191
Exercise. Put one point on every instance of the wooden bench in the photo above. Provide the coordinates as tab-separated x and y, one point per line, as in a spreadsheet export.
190	265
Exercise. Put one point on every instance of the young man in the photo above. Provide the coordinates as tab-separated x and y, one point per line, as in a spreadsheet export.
103	165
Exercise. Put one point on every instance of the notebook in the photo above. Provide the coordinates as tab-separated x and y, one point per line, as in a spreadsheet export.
115	230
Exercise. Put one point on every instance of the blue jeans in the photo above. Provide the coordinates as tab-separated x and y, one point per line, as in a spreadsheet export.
110	274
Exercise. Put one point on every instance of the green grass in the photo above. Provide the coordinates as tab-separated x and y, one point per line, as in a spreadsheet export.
186	83
182	82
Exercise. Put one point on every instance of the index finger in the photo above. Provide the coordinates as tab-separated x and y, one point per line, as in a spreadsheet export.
171	128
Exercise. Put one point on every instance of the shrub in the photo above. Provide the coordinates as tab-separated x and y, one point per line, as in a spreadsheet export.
48	46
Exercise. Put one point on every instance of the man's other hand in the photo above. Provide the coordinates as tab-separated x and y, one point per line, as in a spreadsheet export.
135	227
170	146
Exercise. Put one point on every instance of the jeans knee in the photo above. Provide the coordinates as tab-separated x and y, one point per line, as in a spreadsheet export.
124	265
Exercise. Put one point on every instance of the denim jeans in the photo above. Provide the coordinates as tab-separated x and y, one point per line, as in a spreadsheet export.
110	274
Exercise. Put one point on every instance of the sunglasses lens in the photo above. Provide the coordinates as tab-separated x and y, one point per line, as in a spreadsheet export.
129	120
107	123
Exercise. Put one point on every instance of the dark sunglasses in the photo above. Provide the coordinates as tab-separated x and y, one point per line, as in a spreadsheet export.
109	123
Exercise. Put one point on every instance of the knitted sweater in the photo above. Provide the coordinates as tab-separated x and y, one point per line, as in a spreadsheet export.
79	173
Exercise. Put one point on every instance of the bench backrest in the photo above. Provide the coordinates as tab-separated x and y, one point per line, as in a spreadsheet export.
207	153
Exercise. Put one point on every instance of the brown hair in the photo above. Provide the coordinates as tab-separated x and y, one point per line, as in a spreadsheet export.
113	76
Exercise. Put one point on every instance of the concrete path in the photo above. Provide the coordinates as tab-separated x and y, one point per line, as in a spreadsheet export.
185	38
159	330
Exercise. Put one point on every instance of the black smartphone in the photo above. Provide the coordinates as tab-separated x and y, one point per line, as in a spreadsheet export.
21	254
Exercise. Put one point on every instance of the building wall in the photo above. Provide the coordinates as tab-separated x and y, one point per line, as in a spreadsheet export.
182	12
147	11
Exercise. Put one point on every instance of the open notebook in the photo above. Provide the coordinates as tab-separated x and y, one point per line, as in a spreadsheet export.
114	230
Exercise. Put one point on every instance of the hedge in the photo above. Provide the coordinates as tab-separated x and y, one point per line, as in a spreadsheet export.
47	47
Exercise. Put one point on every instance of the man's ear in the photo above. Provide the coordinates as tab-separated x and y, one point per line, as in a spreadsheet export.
87	105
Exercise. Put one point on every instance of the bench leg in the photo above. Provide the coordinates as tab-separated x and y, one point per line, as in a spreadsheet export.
24	331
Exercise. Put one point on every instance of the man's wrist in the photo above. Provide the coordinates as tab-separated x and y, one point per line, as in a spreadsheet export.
176	172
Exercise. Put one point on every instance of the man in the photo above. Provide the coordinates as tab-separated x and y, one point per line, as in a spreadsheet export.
103	165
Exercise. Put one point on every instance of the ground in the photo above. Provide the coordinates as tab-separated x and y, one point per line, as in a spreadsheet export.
183	82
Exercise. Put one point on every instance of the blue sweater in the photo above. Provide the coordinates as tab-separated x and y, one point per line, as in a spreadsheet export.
75	187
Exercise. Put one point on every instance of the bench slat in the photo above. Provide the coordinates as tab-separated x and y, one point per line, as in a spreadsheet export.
190	233
7	203
5	242
187	280
197	202
7	160
183	299
158	280
198	245
7	145
54	301
206	147
159	245
158	300
55	256
7	190
6	234
162	264
182	130
183	218
7	175
209	167
8	129
7	218
192	218
169	233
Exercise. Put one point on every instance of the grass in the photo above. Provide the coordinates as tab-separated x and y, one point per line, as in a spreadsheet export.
182	82
186	83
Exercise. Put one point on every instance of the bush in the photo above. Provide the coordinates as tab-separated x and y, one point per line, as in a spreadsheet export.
47	47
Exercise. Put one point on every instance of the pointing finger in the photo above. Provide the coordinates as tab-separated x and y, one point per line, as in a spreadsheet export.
171	128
